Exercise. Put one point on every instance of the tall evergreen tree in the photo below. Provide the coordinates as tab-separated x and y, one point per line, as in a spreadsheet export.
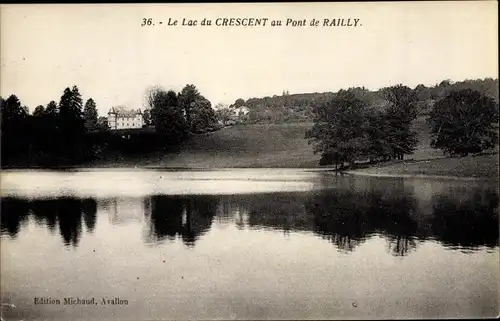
66	102
71	125
14	132
76	101
90	115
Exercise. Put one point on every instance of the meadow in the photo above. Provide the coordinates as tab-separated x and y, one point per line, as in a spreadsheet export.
284	146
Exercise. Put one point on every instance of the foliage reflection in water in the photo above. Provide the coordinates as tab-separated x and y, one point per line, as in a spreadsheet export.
394	247
346	218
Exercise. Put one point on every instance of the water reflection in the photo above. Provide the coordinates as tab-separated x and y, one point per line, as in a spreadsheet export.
66	214
466	223
89	208
348	218
344	217
125	210
15	213
180	216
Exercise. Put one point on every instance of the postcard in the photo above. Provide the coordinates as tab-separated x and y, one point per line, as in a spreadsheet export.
249	161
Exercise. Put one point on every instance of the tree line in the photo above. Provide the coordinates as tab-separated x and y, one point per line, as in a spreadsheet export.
54	134
176	115
70	132
287	108
349	126
348	129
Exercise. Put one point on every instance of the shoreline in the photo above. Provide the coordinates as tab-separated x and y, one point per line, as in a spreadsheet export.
360	172
469	168
353	172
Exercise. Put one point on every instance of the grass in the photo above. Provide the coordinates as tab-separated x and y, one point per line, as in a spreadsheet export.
249	146
433	162
284	146
481	166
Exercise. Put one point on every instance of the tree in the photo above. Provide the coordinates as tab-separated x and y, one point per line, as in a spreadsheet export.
203	116
148	121
70	105
220	106
48	137
401	101
462	123
12	110
71	125
14	131
102	124
167	114
401	139
77	102
51	108
399	115
339	131
39	111
90	115
224	114
187	97
422	93
379	147
239	102
65	103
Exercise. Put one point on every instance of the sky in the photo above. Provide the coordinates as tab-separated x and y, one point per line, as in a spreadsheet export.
104	50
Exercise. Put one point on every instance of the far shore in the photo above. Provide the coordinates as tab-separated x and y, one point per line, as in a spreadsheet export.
360	172
282	146
480	167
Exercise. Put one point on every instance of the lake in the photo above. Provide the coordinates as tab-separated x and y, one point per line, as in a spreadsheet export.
246	244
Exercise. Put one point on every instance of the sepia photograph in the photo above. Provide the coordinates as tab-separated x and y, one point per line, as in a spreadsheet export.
249	161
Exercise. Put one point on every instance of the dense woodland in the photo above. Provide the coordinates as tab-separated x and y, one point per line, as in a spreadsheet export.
349	125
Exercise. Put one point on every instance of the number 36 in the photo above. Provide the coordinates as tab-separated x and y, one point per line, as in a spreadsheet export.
146	22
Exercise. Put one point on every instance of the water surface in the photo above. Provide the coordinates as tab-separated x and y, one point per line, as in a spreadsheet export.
247	244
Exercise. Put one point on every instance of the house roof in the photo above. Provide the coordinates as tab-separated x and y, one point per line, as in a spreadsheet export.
240	109
124	112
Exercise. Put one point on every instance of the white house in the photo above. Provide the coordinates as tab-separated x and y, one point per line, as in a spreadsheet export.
122	118
240	111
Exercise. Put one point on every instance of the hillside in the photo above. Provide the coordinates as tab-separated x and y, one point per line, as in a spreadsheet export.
284	146
274	145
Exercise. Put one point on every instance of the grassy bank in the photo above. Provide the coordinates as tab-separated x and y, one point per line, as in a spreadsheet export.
284	146
482	166
250	146
433	162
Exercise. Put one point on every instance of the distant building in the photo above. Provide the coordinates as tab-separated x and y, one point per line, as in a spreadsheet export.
241	111
238	114
123	118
